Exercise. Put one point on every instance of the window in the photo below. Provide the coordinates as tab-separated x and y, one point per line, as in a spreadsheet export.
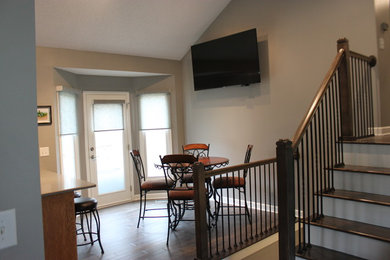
68	135
155	133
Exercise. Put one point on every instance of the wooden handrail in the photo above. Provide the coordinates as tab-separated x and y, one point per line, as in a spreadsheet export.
371	59
316	101
238	167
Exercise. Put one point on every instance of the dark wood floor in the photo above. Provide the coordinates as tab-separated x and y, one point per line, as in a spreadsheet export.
122	240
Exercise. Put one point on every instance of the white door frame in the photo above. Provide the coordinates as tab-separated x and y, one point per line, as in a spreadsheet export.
104	200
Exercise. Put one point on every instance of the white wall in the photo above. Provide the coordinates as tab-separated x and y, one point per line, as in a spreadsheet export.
297	43
19	168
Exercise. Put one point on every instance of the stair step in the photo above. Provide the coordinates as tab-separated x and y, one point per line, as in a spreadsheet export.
381	140
322	253
354	227
363	169
359	196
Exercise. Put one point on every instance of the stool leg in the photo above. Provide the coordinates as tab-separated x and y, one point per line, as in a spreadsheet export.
97	220
89	225
82	225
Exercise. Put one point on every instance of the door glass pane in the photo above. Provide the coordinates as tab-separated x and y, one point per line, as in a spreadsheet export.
108	116
110	161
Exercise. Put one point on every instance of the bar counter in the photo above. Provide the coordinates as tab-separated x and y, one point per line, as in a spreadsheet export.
59	227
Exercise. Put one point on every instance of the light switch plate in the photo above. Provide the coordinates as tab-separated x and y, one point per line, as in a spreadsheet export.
44	151
8	229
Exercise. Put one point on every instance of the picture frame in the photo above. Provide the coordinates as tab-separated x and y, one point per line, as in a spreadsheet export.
44	115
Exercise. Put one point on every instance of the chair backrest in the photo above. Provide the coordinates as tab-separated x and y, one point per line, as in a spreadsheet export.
247	157
176	165
248	153
197	150
138	164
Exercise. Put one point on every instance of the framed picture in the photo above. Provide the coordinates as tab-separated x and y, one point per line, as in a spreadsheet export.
44	115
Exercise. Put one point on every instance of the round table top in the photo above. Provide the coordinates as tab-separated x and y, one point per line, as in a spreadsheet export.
209	162
213	161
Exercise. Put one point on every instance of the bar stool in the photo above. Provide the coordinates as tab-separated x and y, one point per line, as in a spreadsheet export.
86	207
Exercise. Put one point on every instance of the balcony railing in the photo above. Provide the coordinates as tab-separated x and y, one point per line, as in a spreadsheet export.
230	219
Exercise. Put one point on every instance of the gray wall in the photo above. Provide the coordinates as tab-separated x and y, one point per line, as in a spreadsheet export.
297	43
383	16
19	185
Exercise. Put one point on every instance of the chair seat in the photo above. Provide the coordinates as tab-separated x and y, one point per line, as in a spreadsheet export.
181	194
229	182
156	184
84	203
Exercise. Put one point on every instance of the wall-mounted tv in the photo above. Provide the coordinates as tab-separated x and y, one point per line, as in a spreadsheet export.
227	61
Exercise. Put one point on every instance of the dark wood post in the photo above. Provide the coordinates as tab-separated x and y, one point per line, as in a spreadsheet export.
345	91
200	212
286	199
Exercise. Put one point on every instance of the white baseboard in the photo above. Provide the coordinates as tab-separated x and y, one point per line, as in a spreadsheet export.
152	196
383	130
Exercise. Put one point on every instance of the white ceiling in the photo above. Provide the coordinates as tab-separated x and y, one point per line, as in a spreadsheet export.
149	28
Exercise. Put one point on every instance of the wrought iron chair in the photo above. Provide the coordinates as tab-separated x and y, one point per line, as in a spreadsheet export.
180	196
155	184
233	182
197	150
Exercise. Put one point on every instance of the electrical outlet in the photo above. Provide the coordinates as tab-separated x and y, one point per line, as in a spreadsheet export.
44	151
8	228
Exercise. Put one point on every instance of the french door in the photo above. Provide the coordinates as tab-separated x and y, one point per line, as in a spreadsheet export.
107	126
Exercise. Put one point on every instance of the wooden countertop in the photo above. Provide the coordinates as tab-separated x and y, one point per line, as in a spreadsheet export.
54	183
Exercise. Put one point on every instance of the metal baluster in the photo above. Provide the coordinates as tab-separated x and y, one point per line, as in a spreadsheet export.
303	192
308	188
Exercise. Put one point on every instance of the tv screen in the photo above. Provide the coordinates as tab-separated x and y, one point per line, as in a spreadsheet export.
231	60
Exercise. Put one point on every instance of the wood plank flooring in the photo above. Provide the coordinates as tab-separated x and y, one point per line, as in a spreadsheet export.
122	240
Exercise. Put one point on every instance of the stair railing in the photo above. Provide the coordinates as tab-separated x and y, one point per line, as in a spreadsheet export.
341	110
232	219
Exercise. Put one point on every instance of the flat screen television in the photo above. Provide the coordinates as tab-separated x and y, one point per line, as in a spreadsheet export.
227	61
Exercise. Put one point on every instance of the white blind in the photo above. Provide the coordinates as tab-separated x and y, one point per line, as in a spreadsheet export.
108	116
68	113
154	111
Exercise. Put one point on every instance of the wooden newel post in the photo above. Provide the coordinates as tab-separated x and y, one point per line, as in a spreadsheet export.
200	212
345	91
286	199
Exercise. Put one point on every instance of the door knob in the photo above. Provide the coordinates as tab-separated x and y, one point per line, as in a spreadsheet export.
93	157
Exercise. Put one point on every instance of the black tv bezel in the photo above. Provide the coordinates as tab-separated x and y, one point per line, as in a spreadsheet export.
217	79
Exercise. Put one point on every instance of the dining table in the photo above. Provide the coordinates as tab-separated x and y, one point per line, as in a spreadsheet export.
209	162
212	162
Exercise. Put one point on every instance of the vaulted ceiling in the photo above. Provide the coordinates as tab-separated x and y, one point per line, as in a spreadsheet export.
149	28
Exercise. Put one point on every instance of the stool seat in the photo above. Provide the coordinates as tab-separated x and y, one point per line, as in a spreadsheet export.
84	203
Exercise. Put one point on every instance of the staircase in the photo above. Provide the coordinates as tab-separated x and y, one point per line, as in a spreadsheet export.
356	222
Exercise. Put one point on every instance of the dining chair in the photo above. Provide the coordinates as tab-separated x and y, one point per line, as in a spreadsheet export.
146	185
197	150
233	182
180	196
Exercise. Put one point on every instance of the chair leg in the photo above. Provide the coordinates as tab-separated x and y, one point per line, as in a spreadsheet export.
169	220
143	214
140	207
246	208
218	204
